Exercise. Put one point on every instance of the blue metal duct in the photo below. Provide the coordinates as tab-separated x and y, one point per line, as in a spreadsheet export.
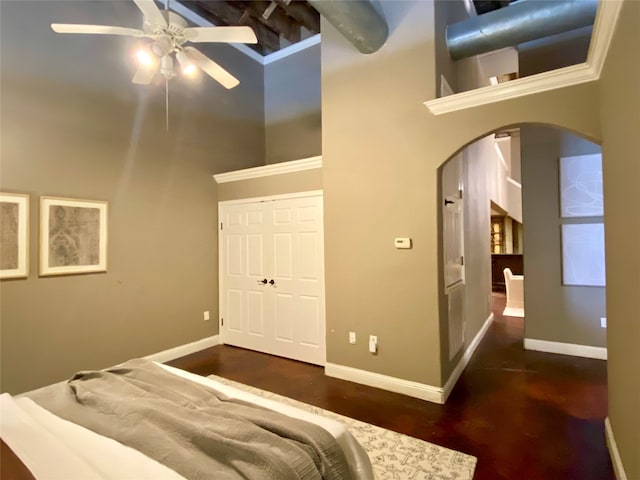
522	21
357	20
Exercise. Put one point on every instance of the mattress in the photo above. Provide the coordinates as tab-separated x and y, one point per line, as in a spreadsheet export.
51	447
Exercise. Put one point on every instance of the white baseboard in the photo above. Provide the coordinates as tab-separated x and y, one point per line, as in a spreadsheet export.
393	384
618	468
464	360
565	348
182	350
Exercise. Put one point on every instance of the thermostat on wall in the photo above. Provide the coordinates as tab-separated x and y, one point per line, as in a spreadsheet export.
403	242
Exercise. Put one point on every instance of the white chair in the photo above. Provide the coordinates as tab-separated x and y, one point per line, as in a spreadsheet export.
515	294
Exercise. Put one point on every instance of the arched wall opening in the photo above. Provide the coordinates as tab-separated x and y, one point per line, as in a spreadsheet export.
561	314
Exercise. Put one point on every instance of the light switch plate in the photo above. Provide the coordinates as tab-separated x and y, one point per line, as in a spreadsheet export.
373	344
402	242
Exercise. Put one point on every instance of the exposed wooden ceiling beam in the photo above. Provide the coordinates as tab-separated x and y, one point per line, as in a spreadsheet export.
271	20
303	13
222	13
278	20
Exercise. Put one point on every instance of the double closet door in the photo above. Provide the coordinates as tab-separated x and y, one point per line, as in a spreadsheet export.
272	277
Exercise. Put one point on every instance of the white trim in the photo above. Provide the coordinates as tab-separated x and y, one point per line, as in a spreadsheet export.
499	152
185	12
182	350
605	23
618	467
269	198
267	170
514	182
541	82
603	28
291	49
464	360
393	384
585	351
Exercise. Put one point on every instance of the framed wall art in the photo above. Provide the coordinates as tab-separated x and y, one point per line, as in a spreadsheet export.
73	236
583	260
581	186
14	235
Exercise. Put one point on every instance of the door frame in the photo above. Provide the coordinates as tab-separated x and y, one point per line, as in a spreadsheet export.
267	198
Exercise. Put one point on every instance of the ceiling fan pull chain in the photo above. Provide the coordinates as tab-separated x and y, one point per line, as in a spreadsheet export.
166	100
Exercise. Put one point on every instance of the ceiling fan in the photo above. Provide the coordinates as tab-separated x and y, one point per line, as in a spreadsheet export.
169	33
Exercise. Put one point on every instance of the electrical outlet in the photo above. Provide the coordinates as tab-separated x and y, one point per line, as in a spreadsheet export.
206	315
373	344
352	338
603	322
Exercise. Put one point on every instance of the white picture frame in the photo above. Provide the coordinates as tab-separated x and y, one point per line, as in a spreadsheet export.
14	235
73	236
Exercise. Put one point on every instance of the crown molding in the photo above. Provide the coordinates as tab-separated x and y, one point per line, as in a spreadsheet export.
604	27
200	21
520	87
291	49
267	170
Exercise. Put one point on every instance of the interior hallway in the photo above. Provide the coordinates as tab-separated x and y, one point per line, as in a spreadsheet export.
523	414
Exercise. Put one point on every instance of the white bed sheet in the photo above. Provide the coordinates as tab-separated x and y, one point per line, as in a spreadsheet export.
54	448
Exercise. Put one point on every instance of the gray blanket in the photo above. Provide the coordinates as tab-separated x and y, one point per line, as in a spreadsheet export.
194	430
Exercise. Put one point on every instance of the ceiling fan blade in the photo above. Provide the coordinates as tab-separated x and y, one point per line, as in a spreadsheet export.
151	12
144	74
211	68
220	34
96	29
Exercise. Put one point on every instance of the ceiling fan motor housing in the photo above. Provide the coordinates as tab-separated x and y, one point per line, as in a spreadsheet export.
175	25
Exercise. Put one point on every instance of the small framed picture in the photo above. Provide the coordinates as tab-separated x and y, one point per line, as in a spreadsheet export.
14	235
73	236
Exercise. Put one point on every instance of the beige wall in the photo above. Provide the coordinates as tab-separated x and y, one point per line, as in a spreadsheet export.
293	121
67	136
303	181
447	12
620	114
381	151
379	184
554	312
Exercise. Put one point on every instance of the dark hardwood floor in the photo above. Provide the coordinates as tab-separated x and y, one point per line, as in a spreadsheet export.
524	415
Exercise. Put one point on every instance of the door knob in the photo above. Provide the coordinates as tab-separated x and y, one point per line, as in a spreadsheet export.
448	202
272	282
263	281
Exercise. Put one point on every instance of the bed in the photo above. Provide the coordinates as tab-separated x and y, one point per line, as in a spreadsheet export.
51	446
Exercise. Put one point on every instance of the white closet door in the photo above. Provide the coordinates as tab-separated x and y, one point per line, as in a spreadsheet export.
298	271
286	248
244	298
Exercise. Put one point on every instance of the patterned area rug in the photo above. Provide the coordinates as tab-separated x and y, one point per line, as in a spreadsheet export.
394	456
